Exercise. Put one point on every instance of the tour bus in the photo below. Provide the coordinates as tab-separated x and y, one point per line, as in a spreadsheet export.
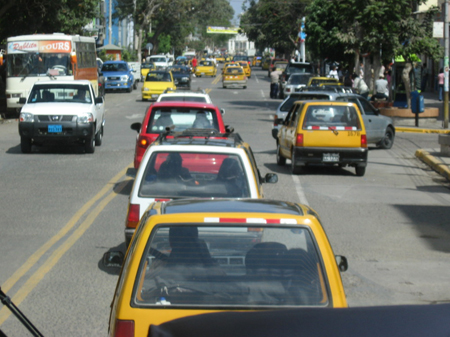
40	57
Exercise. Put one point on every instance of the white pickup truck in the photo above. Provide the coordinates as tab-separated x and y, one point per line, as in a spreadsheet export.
57	111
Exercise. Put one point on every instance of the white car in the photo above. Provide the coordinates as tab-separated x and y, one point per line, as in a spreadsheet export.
193	165
295	83
185	96
160	61
58	111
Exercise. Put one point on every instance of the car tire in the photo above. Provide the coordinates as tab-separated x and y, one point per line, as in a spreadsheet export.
99	137
281	161
224	87
25	144
245	87
388	139
360	170
294	169
89	145
130	89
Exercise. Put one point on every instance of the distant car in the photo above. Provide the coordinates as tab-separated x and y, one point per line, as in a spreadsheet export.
182	115
240	58
380	129
145	68
206	68
155	83
294	67
323	133
62	111
119	76
181	76
161	62
194	164
246	67
199	96
192	256
234	77
295	83
256	61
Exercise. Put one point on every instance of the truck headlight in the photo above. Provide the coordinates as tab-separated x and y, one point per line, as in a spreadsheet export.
26	117
85	118
124	78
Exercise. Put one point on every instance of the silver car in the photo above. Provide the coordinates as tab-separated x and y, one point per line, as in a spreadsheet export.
380	129
295	83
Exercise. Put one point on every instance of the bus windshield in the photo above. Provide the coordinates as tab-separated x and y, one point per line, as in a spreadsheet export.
38	64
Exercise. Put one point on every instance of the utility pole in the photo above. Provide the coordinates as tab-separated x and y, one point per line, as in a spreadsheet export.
110	20
446	64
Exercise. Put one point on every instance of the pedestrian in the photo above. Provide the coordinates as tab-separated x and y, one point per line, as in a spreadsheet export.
274	78
194	62
425	74
381	89
333	73
360	86
361	70
441	83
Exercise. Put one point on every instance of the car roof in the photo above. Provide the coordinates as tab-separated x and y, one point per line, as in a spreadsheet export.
75	82
115	62
230	206
182	104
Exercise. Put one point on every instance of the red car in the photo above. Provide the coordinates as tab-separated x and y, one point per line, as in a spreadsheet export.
182	115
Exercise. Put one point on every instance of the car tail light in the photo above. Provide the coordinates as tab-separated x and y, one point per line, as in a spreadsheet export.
124	328
245	77
132	216
299	140
144	141
363	141
274	120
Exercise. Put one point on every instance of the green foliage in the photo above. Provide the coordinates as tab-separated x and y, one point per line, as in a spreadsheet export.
21	17
164	45
129	55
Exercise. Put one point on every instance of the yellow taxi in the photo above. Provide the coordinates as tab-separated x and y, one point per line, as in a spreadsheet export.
246	67
265	64
227	64
206	68
155	83
195	256
234	76
320	81
220	58
228	58
323	133
256	61
145	68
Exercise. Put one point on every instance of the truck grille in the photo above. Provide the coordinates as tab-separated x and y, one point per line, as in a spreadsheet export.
56	118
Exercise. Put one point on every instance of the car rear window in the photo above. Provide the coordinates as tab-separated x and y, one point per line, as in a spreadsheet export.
234	70
226	265
183	99
320	117
287	105
158	77
299	79
182	119
192	174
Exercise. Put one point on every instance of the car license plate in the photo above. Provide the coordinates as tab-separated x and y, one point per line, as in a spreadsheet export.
330	157
203	73
54	128
155	96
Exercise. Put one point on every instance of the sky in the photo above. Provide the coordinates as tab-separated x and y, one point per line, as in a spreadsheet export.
237	6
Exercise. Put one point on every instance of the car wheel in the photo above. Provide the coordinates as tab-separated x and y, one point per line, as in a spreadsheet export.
130	89
280	159
360	170
89	145
294	169
388	140
245	87
25	144
144	99
99	137
224	86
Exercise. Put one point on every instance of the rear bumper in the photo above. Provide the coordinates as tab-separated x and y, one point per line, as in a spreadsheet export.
234	83
347	156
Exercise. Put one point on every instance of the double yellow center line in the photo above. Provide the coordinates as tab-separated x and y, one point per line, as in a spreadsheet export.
59	252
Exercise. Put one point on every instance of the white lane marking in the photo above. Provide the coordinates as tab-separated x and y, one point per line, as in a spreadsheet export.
300	191
262	94
256	78
134	116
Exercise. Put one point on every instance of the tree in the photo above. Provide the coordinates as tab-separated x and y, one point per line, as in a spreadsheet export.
21	17
273	23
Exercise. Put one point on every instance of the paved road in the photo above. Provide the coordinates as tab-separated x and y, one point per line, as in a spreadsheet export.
62	209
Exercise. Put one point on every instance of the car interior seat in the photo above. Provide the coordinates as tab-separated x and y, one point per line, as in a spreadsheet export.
263	259
201	122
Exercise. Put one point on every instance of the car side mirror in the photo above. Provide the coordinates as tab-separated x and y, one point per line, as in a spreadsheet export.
341	262
22	100
229	129
113	259
136	127
131	172
271	178
98	100
222	111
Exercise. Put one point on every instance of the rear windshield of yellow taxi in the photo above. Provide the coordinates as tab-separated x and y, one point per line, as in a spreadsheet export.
224	265
234	71
323	117
158	77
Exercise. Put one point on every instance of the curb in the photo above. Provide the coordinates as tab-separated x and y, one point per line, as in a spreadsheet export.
419	130
434	163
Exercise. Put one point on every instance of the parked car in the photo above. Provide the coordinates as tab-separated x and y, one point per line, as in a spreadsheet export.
181	76
380	129
182	115
194	164
62	111
119	76
323	133
192	256
295	83
294	68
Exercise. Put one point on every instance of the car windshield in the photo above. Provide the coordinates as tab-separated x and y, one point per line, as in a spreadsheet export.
147	65
174	98
205	63
41	64
294	68
158	59
299	79
158	77
191	174
321	117
60	93
182	119
287	105
230	266
114	67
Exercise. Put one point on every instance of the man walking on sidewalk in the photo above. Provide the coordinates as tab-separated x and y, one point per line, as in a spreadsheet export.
274	77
